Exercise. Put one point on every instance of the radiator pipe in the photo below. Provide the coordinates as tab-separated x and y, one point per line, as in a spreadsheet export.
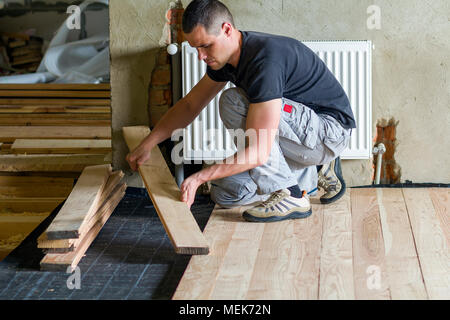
175	56
379	150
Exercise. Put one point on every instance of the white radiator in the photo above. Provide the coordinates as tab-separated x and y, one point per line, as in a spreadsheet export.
351	63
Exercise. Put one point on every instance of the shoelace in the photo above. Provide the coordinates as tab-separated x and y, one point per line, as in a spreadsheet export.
327	184
273	199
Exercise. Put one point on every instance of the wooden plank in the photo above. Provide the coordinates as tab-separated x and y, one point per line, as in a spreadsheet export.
55	262
441	202
56	86
54	109
175	215
65	146
336	259
234	276
112	188
102	214
431	243
402	264
54	163
199	278
29	204
31	121
81	204
24	186
52	93
288	262
58	102
10	133
370	276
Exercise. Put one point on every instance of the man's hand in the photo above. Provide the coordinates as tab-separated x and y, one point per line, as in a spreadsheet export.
189	188
138	156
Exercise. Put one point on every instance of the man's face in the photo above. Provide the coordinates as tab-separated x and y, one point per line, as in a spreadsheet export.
212	49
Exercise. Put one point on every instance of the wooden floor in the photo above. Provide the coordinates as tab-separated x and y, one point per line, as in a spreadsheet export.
371	244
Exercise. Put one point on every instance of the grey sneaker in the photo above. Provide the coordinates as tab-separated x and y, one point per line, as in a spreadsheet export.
279	206
331	181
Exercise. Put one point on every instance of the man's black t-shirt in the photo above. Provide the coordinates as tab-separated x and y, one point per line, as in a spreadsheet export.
272	67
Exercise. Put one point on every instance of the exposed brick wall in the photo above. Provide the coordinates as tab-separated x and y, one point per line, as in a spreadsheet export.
390	170
160	88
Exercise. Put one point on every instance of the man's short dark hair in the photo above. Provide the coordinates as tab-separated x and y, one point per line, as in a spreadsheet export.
211	14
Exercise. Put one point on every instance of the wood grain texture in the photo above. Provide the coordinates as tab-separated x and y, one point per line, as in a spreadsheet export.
112	188
336	259
58	102
54	93
199	278
174	214
81	204
441	202
234	275
54	109
34	186
56	86
101	216
10	133
61	262
372	244
370	278
51	163
288	261
402	264
61	146
431	243
20	204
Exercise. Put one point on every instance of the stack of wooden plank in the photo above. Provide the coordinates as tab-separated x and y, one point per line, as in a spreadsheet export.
88	207
23	52
54	127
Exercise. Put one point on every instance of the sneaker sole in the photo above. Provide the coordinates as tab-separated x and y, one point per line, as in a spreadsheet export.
292	215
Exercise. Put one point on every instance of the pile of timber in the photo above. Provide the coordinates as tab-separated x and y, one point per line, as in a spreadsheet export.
20	53
91	202
54	127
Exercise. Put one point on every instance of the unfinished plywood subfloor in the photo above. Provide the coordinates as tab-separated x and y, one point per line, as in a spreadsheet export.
371	244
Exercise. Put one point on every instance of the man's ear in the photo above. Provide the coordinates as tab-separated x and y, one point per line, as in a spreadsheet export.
227	28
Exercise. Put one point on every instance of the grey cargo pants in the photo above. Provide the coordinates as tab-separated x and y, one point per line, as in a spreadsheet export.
305	139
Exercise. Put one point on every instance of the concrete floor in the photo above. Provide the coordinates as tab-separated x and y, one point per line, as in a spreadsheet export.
132	258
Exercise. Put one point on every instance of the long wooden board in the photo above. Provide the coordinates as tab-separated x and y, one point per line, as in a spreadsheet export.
81	204
61	146
37	186
10	133
50	162
29	204
336	264
369	266
54	109
55	93
174	214
402	264
431	243
56	86
60	102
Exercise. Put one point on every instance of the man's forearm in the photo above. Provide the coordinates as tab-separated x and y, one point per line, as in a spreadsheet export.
233	165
